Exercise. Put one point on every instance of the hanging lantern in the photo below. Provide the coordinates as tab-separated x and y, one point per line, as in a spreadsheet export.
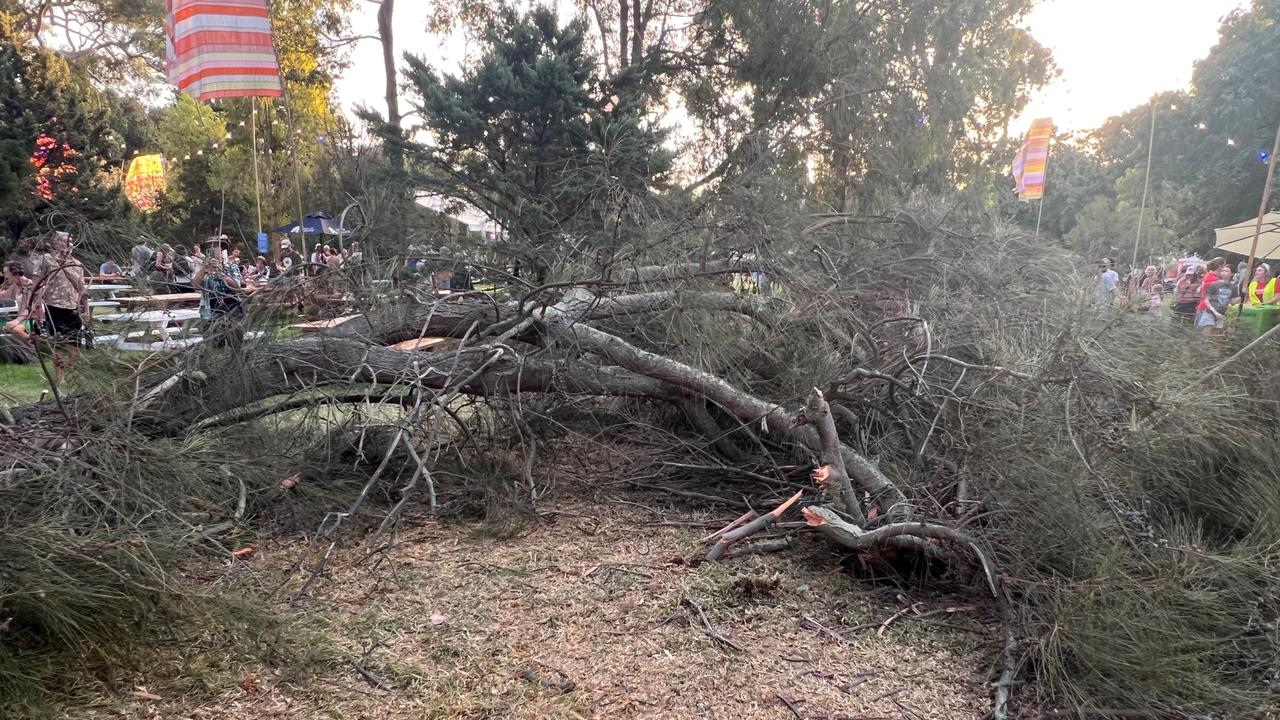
145	181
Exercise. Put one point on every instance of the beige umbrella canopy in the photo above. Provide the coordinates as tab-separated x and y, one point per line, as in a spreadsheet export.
1239	237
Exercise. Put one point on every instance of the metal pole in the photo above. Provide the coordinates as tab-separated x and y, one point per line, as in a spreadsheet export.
253	150
1044	187
1262	211
1146	183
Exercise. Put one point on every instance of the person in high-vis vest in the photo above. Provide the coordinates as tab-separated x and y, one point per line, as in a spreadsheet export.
1262	289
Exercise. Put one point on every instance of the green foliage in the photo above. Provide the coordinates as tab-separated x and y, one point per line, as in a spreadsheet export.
112	41
39	95
525	136
899	98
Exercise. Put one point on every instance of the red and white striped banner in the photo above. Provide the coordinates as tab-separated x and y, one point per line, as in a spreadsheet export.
222	48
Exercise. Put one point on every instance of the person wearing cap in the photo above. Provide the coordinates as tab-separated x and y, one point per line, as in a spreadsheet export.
288	259
1106	285
220	283
1186	294
1262	289
60	303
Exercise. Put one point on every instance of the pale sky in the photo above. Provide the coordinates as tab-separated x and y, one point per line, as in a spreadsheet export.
1114	54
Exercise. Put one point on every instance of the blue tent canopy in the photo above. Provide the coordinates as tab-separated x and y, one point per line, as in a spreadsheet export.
315	224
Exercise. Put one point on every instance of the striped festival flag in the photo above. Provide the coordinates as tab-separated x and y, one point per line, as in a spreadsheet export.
1032	160
221	48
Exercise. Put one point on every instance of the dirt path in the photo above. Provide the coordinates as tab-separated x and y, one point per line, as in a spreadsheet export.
585	617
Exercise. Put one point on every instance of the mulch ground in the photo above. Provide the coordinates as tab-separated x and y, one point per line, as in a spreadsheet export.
591	614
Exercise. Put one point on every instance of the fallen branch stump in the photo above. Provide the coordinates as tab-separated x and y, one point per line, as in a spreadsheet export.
718	550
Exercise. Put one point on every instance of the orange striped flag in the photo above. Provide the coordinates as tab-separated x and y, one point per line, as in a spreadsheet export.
1032	160
221	48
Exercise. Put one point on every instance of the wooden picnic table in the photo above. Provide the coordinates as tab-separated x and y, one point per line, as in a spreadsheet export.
13	309
322	325
157	320
161	300
108	290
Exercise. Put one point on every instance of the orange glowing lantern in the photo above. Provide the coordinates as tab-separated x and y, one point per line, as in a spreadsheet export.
145	181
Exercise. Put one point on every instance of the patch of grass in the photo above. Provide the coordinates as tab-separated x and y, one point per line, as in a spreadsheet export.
20	384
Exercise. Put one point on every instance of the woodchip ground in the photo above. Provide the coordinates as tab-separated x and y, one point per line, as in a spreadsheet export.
586	615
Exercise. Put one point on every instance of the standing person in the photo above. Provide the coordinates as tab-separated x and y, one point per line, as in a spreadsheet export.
1217	298
61	299
1186	295
1262	289
197	255
1213	271
220	282
1106	286
288	259
140	255
1150	292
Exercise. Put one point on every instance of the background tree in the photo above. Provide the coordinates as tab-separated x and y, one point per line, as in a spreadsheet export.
525	137
56	142
109	41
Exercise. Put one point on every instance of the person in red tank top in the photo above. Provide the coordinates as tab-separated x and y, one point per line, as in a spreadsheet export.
1215	265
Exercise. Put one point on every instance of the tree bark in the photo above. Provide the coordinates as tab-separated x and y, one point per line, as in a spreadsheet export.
564	322
624	30
637	33
395	154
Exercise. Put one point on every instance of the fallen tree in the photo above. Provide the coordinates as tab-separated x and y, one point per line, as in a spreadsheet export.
990	431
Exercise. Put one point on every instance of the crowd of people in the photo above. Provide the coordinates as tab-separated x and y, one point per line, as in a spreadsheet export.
1195	292
48	289
164	264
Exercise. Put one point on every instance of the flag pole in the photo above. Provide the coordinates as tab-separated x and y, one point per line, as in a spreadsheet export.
253	151
1262	212
288	116
1044	183
1146	183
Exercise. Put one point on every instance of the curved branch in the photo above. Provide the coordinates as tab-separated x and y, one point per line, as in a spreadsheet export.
853	537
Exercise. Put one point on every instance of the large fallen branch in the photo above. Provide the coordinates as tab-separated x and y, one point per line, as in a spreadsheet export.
564	322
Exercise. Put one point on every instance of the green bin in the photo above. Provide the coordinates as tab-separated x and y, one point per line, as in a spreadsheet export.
1257	319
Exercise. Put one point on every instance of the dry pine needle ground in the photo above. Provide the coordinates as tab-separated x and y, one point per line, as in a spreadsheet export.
583	617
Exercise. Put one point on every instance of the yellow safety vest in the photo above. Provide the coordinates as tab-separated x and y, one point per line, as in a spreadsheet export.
1268	292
